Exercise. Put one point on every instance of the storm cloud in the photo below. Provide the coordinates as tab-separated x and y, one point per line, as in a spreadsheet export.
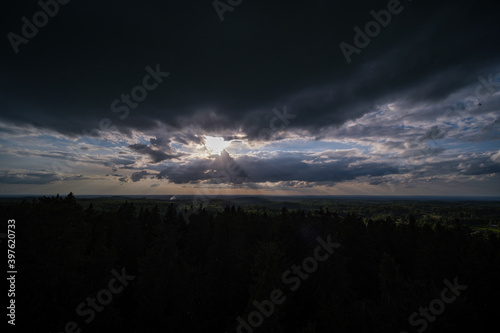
420	102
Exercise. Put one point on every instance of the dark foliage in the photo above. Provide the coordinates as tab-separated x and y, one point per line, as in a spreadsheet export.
202	275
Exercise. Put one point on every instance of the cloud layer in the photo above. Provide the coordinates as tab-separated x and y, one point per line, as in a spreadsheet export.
416	111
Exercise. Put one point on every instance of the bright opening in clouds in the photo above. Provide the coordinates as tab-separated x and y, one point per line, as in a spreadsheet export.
215	145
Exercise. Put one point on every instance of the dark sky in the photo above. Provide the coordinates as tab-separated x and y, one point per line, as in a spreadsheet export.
226	76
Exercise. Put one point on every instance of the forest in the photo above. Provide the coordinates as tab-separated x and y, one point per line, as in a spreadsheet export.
354	266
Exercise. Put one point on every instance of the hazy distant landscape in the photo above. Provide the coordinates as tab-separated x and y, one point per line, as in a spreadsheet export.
472	211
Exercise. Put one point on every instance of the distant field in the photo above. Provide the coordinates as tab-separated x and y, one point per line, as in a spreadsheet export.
497	230
425	209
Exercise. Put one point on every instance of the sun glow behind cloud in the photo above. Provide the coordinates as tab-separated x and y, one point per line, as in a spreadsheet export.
215	145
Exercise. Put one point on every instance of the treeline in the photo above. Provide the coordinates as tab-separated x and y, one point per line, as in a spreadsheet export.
202	274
